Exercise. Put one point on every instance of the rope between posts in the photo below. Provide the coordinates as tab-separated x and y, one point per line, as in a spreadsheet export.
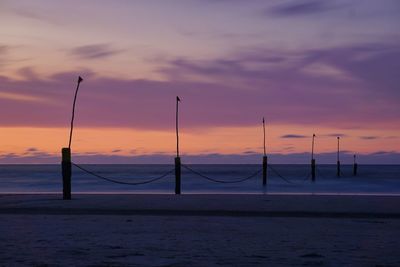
121	182
320	173
220	181
307	177
279	175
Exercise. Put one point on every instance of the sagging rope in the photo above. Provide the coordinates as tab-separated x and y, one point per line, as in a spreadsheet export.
279	175
320	173
323	175
306	177
220	181
120	182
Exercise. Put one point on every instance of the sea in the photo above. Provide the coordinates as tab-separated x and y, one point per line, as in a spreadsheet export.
203	178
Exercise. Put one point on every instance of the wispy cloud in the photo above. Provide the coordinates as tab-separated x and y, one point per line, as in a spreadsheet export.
3	49
37	15
21	97
294	136
94	51
298	8
33	152
335	135
28	73
384	153
369	137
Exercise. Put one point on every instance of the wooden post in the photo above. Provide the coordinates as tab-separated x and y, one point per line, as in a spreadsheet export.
312	159
66	151
177	158
355	165
66	172
177	175
265	164
338	159
313	170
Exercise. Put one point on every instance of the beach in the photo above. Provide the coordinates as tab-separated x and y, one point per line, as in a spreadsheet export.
199	230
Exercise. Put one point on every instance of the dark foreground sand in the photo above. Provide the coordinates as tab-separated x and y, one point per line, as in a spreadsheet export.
199	230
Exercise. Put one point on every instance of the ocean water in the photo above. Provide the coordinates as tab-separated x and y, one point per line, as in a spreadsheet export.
371	179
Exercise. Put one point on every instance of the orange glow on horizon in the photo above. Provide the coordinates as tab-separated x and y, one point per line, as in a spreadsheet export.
224	140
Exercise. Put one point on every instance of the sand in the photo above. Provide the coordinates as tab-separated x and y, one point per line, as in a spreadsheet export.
199	230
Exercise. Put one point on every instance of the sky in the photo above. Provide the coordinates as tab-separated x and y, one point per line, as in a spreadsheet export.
324	67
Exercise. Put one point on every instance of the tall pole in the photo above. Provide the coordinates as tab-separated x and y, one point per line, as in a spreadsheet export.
265	159
265	151
73	111
312	159
338	159
66	152
312	146
177	158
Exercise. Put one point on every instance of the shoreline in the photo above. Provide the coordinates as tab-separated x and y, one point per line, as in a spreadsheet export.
383	194
232	205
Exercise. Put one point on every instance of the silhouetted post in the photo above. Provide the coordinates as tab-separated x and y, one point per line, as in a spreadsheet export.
177	159
66	172
338	159
265	159
177	175
312	160
66	152
355	165
265	165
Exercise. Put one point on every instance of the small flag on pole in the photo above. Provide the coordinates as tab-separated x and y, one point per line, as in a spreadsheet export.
80	79
178	99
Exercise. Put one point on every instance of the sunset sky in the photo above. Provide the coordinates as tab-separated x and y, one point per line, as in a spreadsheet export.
326	67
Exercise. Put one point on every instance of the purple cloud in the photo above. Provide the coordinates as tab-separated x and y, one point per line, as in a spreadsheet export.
332	87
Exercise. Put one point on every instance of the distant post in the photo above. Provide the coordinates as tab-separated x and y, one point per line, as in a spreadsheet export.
66	152
312	160
177	158
338	159
265	159
355	166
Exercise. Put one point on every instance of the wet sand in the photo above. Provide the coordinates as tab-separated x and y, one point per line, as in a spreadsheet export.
199	230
